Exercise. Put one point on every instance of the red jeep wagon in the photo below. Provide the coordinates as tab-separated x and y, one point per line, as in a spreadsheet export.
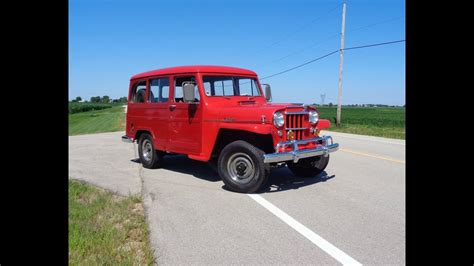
216	112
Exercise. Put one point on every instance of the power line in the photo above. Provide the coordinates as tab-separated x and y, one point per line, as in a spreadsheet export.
309	62
307	47
326	55
334	36
375	24
299	29
371	45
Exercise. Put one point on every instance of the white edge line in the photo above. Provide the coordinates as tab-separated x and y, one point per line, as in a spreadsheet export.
362	138
336	253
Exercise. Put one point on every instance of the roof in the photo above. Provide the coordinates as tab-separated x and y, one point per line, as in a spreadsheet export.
195	69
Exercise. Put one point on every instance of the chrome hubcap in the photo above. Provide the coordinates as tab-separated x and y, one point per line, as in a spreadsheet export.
240	168
147	150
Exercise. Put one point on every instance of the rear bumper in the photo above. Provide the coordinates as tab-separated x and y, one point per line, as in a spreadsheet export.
325	148
127	139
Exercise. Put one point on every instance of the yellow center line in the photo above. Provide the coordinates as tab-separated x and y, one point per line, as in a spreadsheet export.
373	156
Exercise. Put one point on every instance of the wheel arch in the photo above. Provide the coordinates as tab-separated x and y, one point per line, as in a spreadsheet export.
141	131
225	136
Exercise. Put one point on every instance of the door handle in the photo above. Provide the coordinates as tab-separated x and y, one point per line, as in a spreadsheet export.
172	107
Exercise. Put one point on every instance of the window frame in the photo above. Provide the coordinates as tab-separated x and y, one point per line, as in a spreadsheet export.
134	87
259	87
196	78
169	88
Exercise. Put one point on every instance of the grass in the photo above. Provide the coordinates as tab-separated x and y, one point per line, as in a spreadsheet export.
376	121
105	229
107	120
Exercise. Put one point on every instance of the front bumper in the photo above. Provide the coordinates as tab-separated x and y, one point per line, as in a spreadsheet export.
327	145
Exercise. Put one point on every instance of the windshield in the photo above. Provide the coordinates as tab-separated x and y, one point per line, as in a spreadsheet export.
230	86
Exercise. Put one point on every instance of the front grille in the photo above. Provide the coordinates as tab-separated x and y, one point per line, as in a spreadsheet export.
295	123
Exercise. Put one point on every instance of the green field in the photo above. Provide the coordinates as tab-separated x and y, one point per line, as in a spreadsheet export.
106	120
106	229
374	121
75	107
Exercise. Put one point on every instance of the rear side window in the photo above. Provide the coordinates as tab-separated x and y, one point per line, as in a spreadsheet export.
159	90
139	92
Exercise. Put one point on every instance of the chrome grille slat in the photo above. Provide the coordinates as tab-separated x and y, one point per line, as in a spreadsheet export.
295	122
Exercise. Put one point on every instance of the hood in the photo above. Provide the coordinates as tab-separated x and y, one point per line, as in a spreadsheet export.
247	111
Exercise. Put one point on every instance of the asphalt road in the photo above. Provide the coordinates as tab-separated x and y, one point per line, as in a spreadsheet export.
353	213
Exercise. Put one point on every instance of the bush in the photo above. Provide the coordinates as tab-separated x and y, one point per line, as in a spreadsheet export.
85	107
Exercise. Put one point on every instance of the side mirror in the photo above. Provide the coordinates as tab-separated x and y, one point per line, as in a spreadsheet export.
268	92
188	92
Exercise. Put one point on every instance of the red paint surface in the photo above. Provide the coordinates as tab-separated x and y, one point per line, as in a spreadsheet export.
192	129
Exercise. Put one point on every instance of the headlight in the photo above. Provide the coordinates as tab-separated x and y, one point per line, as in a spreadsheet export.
313	117
278	119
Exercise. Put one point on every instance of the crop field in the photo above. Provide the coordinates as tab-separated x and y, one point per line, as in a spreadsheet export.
106	120
85	107
374	121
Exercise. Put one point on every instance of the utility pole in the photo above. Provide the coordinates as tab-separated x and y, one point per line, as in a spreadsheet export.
339	96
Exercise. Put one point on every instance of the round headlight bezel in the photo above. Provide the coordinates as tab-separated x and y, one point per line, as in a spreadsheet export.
278	119
313	117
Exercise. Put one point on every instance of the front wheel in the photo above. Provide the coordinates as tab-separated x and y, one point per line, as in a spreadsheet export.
309	167
241	167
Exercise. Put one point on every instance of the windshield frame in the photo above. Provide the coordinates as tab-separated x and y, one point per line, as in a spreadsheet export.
233	76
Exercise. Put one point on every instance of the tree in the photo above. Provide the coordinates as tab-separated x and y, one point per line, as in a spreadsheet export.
123	99
95	99
78	99
105	99
330	104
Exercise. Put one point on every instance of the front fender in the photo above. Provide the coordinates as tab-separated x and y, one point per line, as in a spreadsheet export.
323	124
254	128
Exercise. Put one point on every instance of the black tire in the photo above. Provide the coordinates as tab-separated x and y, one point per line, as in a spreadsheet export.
309	167
241	167
151	158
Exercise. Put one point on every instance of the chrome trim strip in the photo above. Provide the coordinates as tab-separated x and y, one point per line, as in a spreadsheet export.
296	128
237	121
297	113
127	139
296	154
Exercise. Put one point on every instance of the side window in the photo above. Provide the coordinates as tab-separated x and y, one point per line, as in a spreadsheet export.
139	92
218	86
178	88
207	87
159	90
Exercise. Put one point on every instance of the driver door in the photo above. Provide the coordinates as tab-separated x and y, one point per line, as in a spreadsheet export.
185	119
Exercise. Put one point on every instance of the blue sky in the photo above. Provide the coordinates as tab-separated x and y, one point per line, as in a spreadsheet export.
111	40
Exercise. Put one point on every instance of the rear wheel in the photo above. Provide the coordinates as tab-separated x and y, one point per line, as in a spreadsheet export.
241	167
149	157
309	167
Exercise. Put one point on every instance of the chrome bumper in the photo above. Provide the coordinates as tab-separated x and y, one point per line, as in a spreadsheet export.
325	148
127	139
